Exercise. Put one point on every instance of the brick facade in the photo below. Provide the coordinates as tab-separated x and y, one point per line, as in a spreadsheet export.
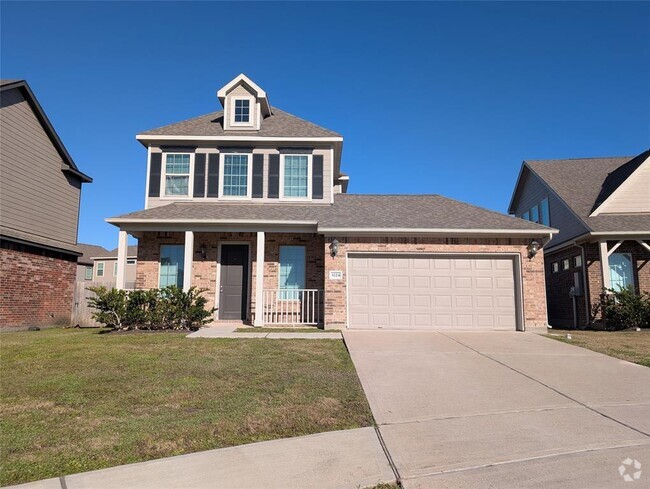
204	271
558	284
319	263
36	286
534	294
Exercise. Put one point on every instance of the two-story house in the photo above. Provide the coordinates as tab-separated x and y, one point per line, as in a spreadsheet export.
98	266
601	206
250	203
40	194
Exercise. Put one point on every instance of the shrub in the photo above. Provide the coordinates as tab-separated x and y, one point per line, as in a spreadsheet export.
166	308
624	308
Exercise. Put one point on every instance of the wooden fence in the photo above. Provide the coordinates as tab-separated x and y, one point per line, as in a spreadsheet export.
81	311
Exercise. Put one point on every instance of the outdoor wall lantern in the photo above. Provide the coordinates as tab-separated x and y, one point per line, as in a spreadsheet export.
203	251
532	248
334	247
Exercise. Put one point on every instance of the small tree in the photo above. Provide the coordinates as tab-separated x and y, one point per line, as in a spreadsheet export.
624	308
110	304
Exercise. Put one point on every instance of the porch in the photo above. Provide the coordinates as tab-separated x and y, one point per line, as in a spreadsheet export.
255	277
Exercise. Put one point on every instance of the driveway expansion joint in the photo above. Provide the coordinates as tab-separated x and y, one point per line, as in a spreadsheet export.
587	406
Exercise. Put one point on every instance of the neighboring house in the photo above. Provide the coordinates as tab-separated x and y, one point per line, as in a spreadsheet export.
250	203
40	193
601	207
85	263
97	264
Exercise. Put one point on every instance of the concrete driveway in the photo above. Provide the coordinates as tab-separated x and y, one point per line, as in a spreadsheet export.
504	410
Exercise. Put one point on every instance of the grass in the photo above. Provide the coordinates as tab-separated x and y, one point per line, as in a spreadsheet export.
633	346
282	330
76	400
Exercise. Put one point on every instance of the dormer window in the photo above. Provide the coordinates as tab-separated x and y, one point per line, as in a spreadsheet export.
242	110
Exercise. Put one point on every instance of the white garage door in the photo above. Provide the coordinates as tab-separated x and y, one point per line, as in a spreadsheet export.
427	292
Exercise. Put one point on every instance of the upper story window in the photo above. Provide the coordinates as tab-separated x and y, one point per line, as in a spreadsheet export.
115	268
242	110
295	176
236	176
177	174
100	269
538	213
89	272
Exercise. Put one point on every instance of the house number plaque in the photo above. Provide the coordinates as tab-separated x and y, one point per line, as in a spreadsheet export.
336	275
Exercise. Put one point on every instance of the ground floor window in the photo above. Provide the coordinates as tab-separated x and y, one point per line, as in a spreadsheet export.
171	265
621	272
292	271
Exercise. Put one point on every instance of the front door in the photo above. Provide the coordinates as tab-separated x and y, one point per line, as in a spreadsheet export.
234	282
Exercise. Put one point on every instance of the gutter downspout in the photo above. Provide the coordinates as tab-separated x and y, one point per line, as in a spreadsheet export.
584	282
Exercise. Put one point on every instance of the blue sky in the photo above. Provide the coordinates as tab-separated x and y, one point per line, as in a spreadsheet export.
430	97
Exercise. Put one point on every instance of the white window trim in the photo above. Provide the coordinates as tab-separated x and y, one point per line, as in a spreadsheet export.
629	255
251	108
249	177
86	270
115	268
163	175
309	178
103	269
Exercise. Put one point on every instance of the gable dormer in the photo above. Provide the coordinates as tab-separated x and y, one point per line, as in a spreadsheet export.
245	105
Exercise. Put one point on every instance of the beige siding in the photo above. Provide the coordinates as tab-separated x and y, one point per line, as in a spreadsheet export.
229	106
533	191
327	179
633	195
37	197
109	267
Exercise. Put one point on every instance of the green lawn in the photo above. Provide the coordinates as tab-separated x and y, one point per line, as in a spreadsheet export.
76	400
633	346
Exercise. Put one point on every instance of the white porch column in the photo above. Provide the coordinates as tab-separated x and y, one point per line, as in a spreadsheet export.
122	248
604	264
188	261
259	280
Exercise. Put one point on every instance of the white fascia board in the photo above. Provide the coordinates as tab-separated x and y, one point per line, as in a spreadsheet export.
436	231
622	233
344	177
126	220
150	137
223	91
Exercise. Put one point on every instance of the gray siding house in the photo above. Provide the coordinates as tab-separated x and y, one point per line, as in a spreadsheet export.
601	207
250	203
40	194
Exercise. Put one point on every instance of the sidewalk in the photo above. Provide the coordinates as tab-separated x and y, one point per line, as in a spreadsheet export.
338	459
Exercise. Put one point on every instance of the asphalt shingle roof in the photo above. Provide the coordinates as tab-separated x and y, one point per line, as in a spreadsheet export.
88	251
352	211
583	184
279	124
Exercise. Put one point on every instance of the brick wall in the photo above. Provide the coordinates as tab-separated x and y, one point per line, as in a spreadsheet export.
36	286
204	271
534	294
558	284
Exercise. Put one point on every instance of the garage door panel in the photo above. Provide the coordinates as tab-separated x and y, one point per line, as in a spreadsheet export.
428	292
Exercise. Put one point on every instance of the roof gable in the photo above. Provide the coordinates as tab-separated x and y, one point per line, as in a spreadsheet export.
626	189
69	164
251	87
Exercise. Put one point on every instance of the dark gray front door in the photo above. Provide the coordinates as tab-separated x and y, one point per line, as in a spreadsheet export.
234	282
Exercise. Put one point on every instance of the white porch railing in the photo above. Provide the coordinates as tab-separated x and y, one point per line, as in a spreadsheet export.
293	306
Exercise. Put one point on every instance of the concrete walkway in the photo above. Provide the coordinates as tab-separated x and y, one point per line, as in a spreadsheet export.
339	459
506	410
221	332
